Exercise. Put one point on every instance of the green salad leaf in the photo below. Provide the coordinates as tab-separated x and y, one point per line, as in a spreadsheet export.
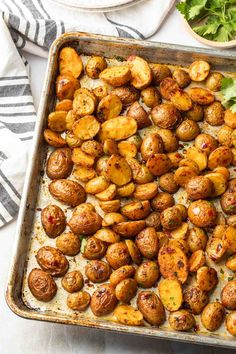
228	92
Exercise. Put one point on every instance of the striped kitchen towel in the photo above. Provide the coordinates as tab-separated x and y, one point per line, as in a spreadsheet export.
32	25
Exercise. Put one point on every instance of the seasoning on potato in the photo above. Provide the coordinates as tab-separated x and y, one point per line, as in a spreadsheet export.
151	307
42	285
73	281
53	220
52	261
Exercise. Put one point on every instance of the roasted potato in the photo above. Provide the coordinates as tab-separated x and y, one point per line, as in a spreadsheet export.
141	75
222	156
92	147
197	239
66	85
100	92
147	242
124	272
181	100
181	232
188	130
219	231
137	112
195	113
159	164
228	203
53	220
126	290
167	87
198	156
70	62
133	251
152	144
83	173
213	316
42	285
206	143
201	95
202	213
107	235
129	228
118	255
72	141
109	107
110	206
68	244
166	116
97	185
136	210
150	96
183	209
199	187
183	175
127	95
71	118
225	135
219	183
169	139
141	173
73	281
128	315
136	140
231	263
97	271
64	105
195	299
126	190
196	261
171	218
207	278
110	128
171	294
182	77
110	219
86	127
215	249
230	323
229	118
54	139
57	121
199	70
167	183
85	220
146	191
110	147
162	201
103	300
52	261
159	72
107	194
153	220
94	248
147	274
213	81
214	114
59	164
78	301
228	295
127	149
118	170
116	75
95	65
151	307
67	192
84	102
181	320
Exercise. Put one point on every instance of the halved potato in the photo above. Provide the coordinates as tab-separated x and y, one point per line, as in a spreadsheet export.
219	182
118	128
118	170
109	107
181	232
197	156
127	149
136	210
84	102
64	105
66	85
53	138
86	127
97	185
141	173
229	239
222	156
81	158
201	95
126	190
140	72
146	191
199	70
84	173
107	194
71	118
183	175
159	164
112	218
171	294
197	260
100	92
107	235
72	140
190	163
70	62
133	251
110	206
224	171
181	100
128	315
57	121
116	75
110	147
129	228
95	65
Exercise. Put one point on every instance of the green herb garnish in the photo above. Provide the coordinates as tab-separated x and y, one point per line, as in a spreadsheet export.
228	92
118	58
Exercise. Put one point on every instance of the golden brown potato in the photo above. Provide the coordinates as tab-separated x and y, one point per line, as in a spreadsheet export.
73	281
151	307
230	323
175	158
180	233
66	85
86	127
231	263
107	194
83	173
42	285
129	228
70	62
183	175
85	220
110	129
81	158
150	96
159	164
187	130
184	211
116	75
107	235
222	156
162	201
153	220
52	261
167	183
197	239
94	248
182	77
215	249
202	213
97	185
166	116
228	203
64	105
141	75
101	166
133	251
229	118
136	210
54	139
199	70
137	112
71	118
171	218
195	113
218	231
159	72
201	95
110	219
128	315
100	92
53	220
181	100
231	220
126	190
72	141
57	121
127	95
97	271
110	206
207	278
173	263
167	87
68	244
223	171
214	114
197	260
78	301
179	242
228	295
118	170
92	147
147	242
59	164
126	290
198	156
146	191
199	187
213	316
189	163
171	294
169	139
95	65
195	299
147	274
124	272
229	239
109	107
224	136
118	255
127	149
103	300
152	144
110	147
67	192
141	173
206	143
213	81
181	320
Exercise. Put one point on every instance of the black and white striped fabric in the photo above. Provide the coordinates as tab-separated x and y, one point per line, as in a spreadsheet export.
32	25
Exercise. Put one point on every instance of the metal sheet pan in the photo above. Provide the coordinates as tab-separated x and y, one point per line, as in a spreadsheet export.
26	231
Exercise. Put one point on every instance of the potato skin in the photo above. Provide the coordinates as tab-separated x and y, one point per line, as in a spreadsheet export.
103	300
152	144
66	85
150	96
78	301
212	316
166	116
42	285
124	272
117	255
147	274
213	82
170	140
94	248
147	242
136	210
202	213
195	113
197	239
206	143
153	220
167	87
228	203
59	164
214	114
199	187
97	271
181	77
181	320
201	95
171	218
53	138
228	295
127	95
151	307
187	130
159	72
230	323
137	112
52	261
95	66
229	118
162	201
68	192
167	183
195	299
159	164
126	290
73	281
68	244
207	278
222	156
85	220
53	220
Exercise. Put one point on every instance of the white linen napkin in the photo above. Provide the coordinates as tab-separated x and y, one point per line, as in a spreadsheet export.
33	25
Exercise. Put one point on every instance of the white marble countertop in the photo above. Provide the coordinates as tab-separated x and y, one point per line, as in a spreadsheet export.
21	336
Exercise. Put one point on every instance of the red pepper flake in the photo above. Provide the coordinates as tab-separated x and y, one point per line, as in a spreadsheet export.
51	219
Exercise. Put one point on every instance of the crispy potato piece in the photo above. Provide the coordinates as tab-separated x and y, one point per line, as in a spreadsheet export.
215	249
107	235
86	128
213	81
167	87
95	65
181	320
182	77
100	92
158	164
107	194
124	272
201	95
231	263
140	72
212	316
197	156
159	72
150	96
71	118
183	175
136	210
72	140
199	70
137	112
92	147
141	173
229	239
181	100
181	243
66	85
67	192
127	95
70	62
116	75
133	252
118	128
118	170
151	307
197	260
53	138
97	185
110	147
64	105
127	149
171	294
146	191
230	323
112	219
152	144
110	206
181	232
189	163
84	102
219	183
175	158
126	190
126	290
173	263
222	156
57	121
207	278
83	173
128	315
80	158
129	228
109	107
